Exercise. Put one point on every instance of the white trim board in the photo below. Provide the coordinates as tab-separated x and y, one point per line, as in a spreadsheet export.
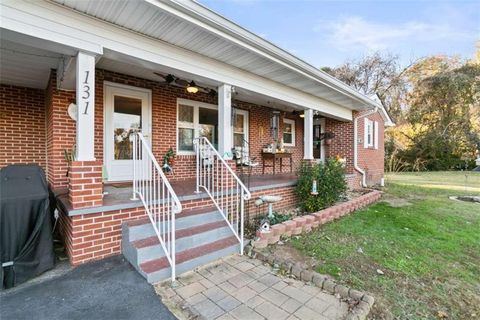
87	33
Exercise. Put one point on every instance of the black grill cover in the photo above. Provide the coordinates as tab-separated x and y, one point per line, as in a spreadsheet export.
25	224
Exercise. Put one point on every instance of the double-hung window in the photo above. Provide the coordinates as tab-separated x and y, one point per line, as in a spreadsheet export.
240	128
289	132
371	134
195	119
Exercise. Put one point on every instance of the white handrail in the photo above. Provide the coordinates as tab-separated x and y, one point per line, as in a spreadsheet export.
157	195
226	190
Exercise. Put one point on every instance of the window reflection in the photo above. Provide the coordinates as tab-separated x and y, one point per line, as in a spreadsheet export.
127	119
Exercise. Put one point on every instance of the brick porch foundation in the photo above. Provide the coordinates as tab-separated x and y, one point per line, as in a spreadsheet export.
95	236
85	184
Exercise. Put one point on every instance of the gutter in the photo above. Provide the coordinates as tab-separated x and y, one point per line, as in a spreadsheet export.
355	146
226	28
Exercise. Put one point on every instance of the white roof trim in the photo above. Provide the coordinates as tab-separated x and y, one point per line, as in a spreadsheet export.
202	16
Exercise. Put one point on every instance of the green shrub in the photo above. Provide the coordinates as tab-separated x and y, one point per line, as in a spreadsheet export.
276	219
331	185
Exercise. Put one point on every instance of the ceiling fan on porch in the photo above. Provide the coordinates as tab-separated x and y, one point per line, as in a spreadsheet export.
190	87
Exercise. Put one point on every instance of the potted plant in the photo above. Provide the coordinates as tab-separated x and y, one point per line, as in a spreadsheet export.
69	156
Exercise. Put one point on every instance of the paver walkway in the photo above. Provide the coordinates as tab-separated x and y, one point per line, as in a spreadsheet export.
240	288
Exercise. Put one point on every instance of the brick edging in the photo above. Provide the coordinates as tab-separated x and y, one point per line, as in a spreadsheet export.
364	302
306	223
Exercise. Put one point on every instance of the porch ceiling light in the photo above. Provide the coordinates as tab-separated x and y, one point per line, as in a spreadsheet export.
302	115
192	87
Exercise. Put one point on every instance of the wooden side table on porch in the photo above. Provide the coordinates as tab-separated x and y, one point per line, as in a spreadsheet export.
273	156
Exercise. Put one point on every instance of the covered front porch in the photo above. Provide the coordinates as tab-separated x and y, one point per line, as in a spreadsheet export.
118	196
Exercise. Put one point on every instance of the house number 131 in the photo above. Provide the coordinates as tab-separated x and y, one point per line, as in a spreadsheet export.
86	92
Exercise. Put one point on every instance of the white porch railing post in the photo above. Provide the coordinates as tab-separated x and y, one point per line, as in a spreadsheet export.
134	152
197	160
308	134
242	205
85	99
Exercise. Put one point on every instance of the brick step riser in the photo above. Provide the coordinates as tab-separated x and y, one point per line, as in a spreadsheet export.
165	273
146	230
141	255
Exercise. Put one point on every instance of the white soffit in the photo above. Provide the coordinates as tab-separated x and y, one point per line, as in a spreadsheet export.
26	66
152	18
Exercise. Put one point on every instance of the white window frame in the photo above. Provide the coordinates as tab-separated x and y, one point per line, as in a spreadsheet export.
246	126
195	125
369	133
292	123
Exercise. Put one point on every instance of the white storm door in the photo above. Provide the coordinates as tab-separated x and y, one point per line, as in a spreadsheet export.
127	110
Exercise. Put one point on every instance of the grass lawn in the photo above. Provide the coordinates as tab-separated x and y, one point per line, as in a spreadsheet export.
427	246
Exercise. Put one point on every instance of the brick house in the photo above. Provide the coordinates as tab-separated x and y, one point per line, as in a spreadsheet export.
119	85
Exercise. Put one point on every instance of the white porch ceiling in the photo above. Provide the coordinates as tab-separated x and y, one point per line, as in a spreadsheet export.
148	19
26	66
241	94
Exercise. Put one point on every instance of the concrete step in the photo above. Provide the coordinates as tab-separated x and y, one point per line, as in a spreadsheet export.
159	269
202	236
142	228
149	248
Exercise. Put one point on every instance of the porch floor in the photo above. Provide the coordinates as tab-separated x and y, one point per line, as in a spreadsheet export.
118	195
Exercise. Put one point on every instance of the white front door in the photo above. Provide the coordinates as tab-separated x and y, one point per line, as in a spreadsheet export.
127	110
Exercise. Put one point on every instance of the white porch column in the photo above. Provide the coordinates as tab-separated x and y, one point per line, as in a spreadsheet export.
308	135
85	90
225	121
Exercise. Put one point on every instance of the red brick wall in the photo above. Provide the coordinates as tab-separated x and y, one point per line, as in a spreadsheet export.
60	132
370	159
95	236
22	126
85	184
164	117
289	200
342	143
260	135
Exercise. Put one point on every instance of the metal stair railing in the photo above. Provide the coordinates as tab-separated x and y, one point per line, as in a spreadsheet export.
224	187
151	186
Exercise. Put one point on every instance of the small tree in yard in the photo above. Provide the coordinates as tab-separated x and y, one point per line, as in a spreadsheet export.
331	185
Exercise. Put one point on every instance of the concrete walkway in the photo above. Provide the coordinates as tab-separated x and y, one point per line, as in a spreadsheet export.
240	288
107	289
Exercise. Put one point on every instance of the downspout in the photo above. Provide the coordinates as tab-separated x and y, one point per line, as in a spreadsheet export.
355	146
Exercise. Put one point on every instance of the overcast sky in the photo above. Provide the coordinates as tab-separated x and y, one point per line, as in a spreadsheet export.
327	33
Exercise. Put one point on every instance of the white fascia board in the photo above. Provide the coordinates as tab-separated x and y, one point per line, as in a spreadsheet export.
201	16
15	19
385	116
143	50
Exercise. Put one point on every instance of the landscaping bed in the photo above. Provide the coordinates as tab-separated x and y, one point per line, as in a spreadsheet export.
306	223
